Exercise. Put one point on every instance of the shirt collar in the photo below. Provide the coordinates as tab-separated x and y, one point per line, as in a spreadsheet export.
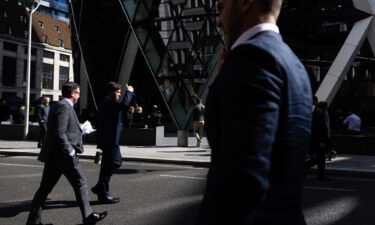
68	101
253	31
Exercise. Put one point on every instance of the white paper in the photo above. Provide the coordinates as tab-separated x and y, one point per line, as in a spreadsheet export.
87	128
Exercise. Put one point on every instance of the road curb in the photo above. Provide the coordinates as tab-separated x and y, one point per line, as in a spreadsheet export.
126	159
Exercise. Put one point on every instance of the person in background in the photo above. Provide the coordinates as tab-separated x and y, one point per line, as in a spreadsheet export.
352	123
138	119
154	119
319	140
42	116
198	121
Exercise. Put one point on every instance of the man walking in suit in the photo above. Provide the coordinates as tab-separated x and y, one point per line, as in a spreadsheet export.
110	125
257	167
59	152
42	115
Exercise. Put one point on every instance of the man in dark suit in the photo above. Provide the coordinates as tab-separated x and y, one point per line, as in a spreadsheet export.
258	117
110	125
59	152
319	140
42	115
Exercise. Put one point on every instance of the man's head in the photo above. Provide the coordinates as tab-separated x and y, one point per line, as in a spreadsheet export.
237	16
45	100
71	91
113	90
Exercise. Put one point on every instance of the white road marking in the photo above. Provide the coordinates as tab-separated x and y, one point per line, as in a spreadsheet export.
183	177
329	189
21	176
23	165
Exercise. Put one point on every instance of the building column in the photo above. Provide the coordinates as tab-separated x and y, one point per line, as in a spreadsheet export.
182	138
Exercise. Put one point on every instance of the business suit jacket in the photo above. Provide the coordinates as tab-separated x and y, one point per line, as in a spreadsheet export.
42	113
63	136
64	133
258	117
110	124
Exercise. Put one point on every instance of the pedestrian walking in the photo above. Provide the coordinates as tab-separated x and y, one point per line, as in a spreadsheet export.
319	142
257	120
42	112
198	121
59	152
109	132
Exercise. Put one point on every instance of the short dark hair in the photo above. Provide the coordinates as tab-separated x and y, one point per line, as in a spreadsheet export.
112	87
270	6
68	88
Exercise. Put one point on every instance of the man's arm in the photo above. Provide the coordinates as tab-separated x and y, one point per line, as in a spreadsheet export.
39	113
62	115
250	109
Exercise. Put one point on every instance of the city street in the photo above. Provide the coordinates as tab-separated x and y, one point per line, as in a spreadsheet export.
166	194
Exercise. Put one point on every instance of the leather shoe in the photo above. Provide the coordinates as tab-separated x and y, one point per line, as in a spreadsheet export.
108	200
95	190
94	217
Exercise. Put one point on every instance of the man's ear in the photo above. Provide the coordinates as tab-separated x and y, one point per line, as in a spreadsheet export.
245	5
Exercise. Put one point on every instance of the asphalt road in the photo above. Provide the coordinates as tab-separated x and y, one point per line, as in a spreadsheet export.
160	194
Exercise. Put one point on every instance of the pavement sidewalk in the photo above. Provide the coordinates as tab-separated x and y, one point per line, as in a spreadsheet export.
362	165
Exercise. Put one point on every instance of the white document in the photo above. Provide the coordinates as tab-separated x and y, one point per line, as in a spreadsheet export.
87	128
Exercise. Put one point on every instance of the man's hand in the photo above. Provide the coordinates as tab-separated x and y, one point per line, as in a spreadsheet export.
322	145
129	88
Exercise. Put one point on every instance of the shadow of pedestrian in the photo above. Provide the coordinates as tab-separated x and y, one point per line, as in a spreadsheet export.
12	209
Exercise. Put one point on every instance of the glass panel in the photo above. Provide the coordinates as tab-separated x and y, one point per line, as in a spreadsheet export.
181	44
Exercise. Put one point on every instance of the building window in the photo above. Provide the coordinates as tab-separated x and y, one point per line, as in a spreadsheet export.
25	33
23	19
45	39
64	76
60	43
41	24
64	58
9	30
9	46
5	14
9	71
48	54
47	82
57	29
33	51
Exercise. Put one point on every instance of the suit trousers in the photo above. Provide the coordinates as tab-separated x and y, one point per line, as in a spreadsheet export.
111	161
43	131
72	170
319	159
198	129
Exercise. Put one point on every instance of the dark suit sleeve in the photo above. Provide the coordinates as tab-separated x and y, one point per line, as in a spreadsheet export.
125	102
62	115
250	108
39	113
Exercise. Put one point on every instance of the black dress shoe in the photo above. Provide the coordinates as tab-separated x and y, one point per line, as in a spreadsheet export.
95	190
94	217
108	200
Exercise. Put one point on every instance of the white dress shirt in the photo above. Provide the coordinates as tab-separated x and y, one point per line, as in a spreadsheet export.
353	122
253	31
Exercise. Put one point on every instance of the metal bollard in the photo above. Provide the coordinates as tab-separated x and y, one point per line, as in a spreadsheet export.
98	157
